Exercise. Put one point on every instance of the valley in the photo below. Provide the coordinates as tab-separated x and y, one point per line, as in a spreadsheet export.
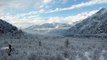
86	40
55	48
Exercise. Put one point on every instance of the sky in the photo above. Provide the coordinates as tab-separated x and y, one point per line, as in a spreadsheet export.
24	13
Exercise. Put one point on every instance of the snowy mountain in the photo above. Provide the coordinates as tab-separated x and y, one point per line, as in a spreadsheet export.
95	24
8	29
48	25
52	28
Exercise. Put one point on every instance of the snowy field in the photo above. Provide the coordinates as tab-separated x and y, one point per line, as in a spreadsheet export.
55	48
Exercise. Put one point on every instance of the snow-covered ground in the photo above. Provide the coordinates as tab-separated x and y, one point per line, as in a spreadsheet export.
54	48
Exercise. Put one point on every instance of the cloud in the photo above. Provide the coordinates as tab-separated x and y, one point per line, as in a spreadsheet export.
32	19
14	3
46	1
36	5
27	19
44	6
71	19
83	4
24	20
79	17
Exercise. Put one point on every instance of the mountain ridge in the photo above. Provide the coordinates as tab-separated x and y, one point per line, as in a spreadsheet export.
95	24
8	30
48	28
7	27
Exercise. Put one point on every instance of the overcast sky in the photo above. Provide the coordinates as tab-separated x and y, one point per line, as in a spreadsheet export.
23	13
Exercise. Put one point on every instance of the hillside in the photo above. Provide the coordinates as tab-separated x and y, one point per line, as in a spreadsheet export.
95	24
7	29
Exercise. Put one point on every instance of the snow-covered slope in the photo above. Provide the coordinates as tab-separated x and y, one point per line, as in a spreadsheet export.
51	28
95	24
7	29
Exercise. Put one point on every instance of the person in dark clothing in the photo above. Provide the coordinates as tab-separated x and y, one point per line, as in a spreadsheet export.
9	50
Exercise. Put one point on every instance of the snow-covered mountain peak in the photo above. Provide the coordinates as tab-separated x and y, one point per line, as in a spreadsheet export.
102	11
95	24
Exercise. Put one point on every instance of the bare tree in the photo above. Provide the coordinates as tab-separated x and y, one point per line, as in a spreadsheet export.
67	43
40	43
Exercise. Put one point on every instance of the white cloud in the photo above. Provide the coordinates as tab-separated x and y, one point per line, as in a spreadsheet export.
6	5
22	22
79	17
41	5
15	3
71	19
32	19
46	1
83	4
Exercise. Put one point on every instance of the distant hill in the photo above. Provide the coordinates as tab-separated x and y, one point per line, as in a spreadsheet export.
95	24
48	28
